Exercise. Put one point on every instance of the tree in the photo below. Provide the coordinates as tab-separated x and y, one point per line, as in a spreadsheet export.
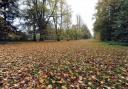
111	20
55	20
67	17
38	14
85	33
8	11
102	20
62	18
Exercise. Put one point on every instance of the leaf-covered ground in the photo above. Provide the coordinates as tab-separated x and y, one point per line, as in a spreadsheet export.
63	65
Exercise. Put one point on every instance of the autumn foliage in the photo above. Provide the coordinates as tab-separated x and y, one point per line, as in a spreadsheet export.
63	65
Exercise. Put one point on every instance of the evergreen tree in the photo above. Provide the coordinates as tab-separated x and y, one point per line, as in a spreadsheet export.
111	20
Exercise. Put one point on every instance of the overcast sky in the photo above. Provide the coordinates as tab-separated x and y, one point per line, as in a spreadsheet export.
84	8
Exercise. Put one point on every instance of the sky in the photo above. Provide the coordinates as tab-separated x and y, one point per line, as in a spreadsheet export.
84	8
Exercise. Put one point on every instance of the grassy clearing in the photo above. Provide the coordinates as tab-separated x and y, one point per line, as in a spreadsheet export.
63	65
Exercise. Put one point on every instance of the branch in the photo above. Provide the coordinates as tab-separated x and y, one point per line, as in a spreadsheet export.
51	12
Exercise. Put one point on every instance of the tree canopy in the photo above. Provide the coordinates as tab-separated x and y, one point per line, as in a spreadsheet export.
40	19
111	20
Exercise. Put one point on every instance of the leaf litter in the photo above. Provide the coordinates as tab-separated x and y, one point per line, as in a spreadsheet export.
63	65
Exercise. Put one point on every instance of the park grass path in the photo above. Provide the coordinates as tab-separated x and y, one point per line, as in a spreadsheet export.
82	64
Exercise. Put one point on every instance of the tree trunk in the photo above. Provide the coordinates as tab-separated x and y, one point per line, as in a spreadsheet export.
34	33
43	32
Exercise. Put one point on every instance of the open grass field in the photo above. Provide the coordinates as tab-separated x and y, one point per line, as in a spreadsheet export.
84	64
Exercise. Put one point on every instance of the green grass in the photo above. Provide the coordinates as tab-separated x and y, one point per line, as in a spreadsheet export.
115	44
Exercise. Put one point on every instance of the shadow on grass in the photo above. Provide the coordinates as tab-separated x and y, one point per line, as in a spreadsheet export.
8	42
12	42
27	41
116	43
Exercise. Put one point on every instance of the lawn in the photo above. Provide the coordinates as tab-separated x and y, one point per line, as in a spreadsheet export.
83	64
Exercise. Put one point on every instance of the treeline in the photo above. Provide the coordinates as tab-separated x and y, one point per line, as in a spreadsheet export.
39	20
112	20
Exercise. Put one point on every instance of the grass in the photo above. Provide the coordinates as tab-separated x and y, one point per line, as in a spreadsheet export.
115	43
83	64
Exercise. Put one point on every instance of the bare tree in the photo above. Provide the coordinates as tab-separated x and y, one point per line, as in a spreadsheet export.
38	14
